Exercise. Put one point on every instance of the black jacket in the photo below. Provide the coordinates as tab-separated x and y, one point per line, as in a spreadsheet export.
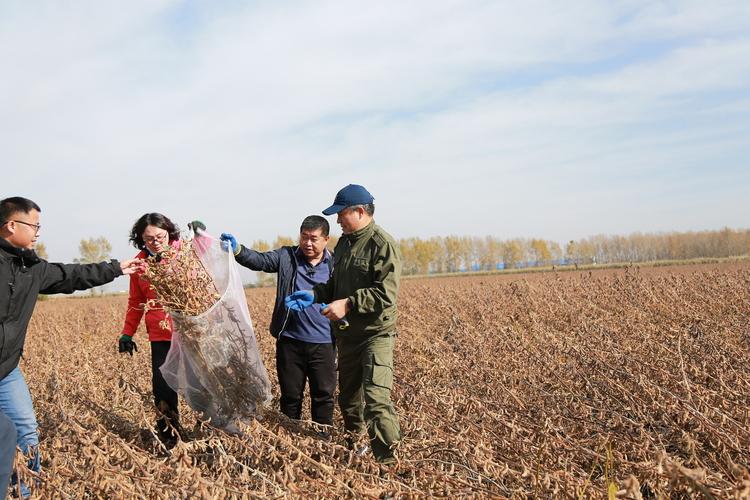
23	276
283	261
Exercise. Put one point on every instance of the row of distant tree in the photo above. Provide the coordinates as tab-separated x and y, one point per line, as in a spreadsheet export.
455	253
462	253
92	250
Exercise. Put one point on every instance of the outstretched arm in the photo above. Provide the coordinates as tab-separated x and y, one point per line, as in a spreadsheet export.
268	262
67	278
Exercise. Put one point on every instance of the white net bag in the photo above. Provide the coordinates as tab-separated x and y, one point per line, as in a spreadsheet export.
214	361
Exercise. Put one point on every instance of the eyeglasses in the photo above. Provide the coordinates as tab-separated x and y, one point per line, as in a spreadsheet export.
36	227
153	239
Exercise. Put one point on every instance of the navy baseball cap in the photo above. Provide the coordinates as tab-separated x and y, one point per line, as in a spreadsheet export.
353	194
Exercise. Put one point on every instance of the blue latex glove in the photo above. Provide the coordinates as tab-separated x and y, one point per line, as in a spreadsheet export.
227	240
299	300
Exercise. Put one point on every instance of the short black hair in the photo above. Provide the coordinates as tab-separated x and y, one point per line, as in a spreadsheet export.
15	204
152	219
313	222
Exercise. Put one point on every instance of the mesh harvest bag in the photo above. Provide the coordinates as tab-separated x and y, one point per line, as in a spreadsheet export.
214	361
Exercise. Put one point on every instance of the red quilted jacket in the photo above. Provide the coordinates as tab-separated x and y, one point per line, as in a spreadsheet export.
140	293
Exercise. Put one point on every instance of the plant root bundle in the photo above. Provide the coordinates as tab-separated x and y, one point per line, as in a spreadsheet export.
227	379
181	282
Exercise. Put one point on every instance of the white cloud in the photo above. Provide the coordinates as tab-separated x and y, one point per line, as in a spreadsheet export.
511	118
711	66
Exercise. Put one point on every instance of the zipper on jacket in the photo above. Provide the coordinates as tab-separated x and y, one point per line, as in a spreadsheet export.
12	287
294	280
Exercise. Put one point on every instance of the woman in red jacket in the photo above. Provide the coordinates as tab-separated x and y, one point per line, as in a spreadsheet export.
152	234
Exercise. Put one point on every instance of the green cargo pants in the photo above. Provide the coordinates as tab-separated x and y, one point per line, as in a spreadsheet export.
366	369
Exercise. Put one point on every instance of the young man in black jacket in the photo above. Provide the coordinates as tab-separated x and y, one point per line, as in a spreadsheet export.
23	276
304	348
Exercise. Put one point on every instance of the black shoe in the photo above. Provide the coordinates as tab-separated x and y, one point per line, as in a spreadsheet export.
168	442
359	449
392	471
168	432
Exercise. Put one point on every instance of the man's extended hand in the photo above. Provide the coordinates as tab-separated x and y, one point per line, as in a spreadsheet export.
127	345
337	309
131	266
228	240
301	299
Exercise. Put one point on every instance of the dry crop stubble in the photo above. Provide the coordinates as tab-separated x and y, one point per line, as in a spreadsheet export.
634	383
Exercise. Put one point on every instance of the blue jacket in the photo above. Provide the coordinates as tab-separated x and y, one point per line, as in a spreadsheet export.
283	261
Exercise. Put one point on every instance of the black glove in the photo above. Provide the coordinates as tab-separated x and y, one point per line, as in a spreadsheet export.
127	345
196	226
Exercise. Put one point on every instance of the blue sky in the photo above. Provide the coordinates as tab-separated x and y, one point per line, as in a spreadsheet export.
517	119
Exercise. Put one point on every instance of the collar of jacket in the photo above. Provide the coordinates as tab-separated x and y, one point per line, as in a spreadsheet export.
297	251
300	257
28	257
361	233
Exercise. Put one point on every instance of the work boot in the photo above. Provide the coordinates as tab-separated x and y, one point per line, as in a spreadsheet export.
393	471
167	434
168	426
357	447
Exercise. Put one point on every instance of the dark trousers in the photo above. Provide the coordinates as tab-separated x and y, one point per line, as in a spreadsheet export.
7	452
297	362
165	399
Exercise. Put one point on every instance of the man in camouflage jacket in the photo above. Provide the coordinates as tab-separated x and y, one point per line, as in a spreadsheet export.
362	290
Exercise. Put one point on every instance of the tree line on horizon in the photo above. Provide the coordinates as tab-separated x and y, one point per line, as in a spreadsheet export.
451	254
461	253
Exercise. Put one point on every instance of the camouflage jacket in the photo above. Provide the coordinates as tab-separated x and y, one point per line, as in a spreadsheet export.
367	270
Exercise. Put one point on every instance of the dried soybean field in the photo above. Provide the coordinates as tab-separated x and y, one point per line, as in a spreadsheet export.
630	383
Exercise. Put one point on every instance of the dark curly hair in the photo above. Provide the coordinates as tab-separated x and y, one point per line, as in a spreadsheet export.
152	219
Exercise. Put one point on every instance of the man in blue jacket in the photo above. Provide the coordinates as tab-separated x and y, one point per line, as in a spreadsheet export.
304	347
